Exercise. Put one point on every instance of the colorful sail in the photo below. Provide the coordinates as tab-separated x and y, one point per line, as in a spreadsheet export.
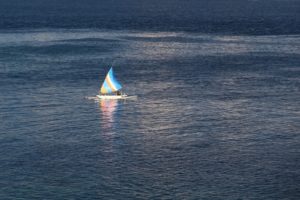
110	83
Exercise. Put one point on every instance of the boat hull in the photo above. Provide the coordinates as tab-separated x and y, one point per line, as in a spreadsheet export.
112	96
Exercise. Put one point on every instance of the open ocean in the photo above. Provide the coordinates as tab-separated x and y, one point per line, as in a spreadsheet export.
218	108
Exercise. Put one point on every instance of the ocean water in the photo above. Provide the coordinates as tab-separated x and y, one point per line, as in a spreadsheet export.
218	108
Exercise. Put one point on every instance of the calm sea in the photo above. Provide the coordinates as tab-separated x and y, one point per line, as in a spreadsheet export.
218	108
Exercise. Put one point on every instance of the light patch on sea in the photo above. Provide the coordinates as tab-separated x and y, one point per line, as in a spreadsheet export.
157	43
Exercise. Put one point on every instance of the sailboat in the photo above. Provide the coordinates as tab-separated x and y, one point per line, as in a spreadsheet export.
111	88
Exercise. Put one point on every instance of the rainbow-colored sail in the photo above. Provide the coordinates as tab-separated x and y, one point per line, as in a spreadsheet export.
110	83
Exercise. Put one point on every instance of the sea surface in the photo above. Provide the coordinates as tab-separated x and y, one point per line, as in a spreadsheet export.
217	114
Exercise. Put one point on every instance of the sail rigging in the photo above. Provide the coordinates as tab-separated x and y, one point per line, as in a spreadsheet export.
110	83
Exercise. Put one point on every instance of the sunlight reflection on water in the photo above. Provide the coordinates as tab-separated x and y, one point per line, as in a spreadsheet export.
212	113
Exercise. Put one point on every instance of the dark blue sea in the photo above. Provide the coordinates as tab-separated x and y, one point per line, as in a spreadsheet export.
217	114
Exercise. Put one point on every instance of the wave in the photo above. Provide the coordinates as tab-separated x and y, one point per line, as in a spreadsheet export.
142	44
